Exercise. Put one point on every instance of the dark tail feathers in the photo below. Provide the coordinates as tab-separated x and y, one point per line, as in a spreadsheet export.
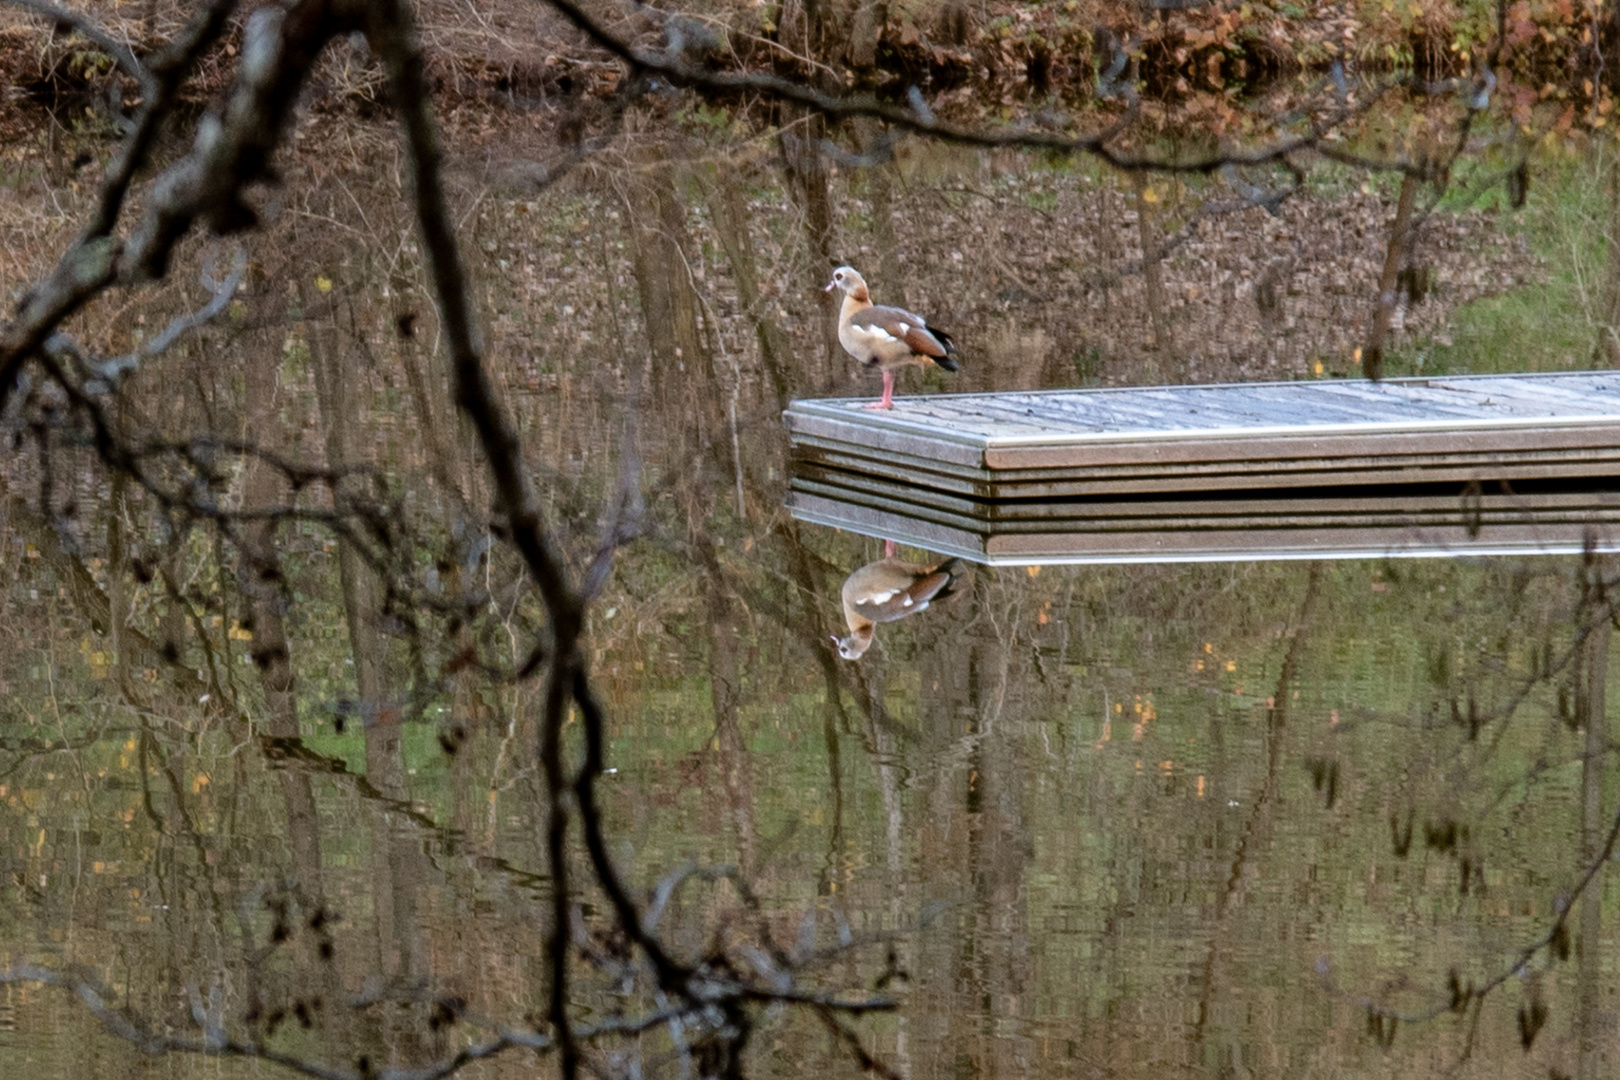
948	361
952	567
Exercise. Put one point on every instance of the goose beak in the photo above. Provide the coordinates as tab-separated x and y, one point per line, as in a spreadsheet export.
830	285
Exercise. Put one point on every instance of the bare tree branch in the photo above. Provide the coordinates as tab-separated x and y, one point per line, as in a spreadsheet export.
393	35
231	152
171	67
106	375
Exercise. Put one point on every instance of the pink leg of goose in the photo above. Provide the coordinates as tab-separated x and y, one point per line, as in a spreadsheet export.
888	393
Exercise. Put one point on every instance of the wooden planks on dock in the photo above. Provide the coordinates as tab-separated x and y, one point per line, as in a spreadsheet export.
1478	464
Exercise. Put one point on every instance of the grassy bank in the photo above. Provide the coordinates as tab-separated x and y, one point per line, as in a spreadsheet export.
1550	323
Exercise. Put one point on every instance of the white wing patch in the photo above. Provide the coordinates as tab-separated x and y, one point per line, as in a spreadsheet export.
904	329
876	332
879	598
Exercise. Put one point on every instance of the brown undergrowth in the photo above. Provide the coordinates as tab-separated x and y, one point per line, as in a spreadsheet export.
1036	268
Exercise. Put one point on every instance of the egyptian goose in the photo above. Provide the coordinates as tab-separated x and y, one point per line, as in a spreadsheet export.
887	590
886	337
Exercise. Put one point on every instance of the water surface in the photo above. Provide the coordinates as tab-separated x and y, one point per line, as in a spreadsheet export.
1245	819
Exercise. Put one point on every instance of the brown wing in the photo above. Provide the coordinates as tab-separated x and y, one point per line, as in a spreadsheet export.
890	589
903	326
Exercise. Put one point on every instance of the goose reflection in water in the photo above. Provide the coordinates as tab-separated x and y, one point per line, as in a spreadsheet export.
888	590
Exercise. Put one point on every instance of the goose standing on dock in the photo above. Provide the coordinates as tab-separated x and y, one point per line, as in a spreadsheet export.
889	338
887	590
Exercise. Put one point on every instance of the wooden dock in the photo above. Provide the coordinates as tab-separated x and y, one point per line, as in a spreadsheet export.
1480	464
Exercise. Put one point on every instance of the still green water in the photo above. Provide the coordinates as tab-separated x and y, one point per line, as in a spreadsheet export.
1119	821
1236	820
